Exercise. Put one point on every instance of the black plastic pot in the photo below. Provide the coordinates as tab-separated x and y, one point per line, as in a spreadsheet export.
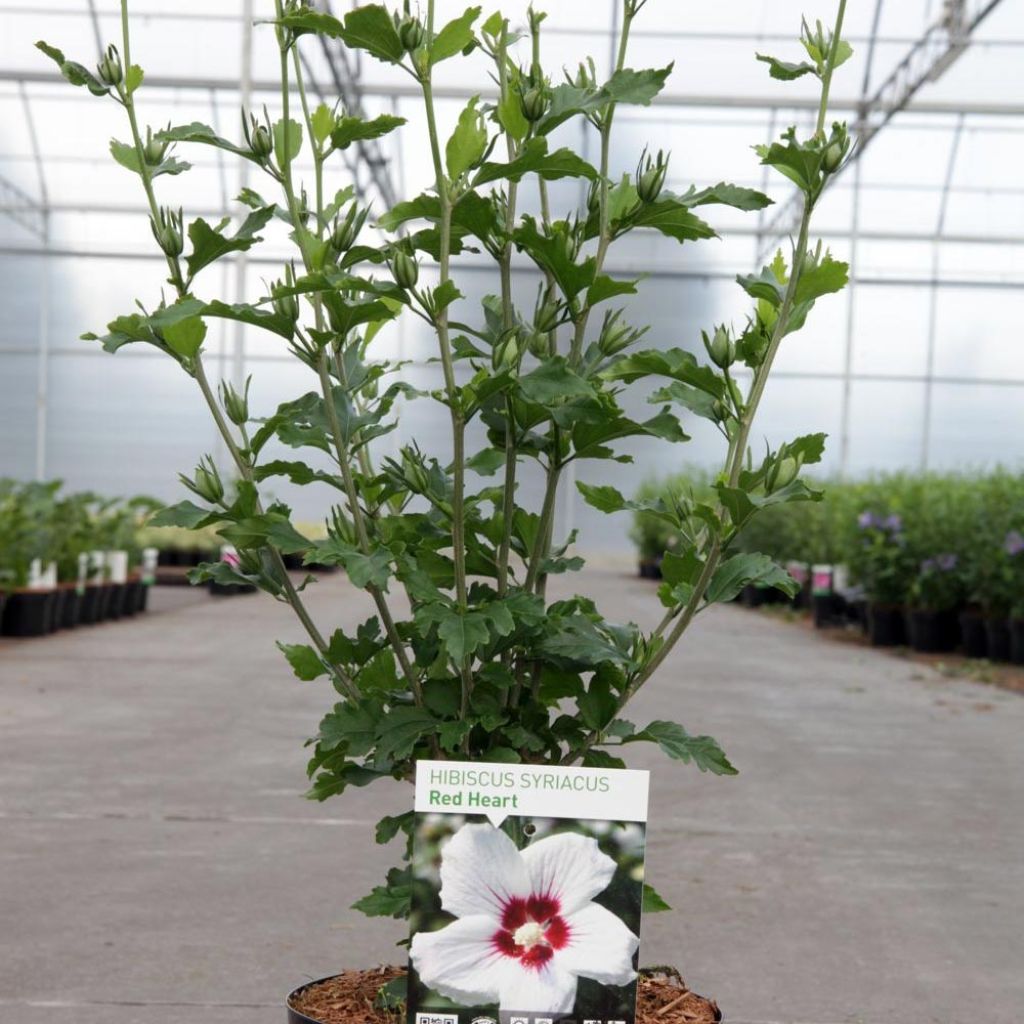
1017	641
828	610
28	613
973	635
650	569
71	608
997	632
115	609
130	598
142	598
92	604
886	625
754	597
932	632
57	609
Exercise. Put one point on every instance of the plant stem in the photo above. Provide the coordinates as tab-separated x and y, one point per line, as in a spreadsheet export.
451	389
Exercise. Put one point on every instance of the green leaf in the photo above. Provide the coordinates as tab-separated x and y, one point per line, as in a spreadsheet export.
676	363
549	253
463	634
579	641
726	195
785	71
391	824
798	161
675	741
363	570
651	902
510	116
186	514
125	155
554	381
391	900
210	244
287	141
196	131
133	78
248	314
305	662
603	497
347	130
605	287
598	706
636	87
487	462
401	729
455	37
185	336
673	219
823	278
535	159
746	569
73	72
468	142
321	122
370	28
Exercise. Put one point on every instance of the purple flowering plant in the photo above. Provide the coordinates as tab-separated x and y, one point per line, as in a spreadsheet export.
939	585
885	564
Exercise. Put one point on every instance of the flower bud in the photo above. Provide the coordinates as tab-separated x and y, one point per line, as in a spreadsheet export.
833	157
285	303
650	177
720	411
235	405
506	354
411	33
258	137
168	231
615	334
783	472
206	482
546	316
535	102
109	67
346	230
721	348
414	473
154	150
538	344
404	269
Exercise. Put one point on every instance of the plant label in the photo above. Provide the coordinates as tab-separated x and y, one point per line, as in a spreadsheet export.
527	887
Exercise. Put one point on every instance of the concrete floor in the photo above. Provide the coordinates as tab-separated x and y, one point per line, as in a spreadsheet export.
158	865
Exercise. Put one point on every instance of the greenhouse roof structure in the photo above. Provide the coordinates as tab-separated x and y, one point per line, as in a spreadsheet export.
929	212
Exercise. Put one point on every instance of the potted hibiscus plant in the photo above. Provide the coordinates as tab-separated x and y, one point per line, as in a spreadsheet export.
484	667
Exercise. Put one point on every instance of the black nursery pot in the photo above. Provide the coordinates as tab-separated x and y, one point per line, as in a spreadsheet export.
142	597
886	625
997	632
932	632
294	1016
828	610
115	604
28	613
91	605
650	569
1017	641
57	609
973	635
130	600
71	608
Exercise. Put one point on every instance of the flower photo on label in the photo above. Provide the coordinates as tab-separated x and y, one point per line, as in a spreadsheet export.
523	927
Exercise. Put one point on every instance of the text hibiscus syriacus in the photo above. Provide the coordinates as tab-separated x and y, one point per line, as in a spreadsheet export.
526	927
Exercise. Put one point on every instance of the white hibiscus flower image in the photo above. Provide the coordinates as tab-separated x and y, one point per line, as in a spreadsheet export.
526	926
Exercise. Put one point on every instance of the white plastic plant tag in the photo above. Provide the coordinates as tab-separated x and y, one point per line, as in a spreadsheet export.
527	886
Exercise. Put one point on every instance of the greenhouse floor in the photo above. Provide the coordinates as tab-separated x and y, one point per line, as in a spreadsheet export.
158	865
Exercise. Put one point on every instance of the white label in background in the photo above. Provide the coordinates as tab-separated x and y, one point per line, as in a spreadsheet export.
498	790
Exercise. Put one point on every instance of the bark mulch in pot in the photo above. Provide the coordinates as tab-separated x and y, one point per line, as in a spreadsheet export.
350	998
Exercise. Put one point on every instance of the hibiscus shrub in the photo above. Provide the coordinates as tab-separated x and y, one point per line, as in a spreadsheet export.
483	666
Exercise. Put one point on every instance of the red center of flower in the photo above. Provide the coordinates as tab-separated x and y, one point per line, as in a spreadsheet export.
531	930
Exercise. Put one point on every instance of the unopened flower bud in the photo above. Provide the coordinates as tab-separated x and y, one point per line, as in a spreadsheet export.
404	269
783	472
506	353
346	229
650	177
168	231
109	67
615	334
411	33
415	474
154	150
206	482
235	405
257	137
535	102
285	303
546	316
833	157
721	348
720	411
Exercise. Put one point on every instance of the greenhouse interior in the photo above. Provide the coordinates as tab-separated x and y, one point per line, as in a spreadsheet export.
391	393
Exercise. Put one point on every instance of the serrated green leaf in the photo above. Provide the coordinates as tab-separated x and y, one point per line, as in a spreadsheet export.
535	159
468	142
748	569
287	140
455	37
675	741
347	130
826	277
651	902
305	662
636	87
785	71
185	336
210	244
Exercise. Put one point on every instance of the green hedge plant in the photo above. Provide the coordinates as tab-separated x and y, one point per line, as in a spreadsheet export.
484	665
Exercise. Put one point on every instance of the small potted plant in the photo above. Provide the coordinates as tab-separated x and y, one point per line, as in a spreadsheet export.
934	598
883	563
484	666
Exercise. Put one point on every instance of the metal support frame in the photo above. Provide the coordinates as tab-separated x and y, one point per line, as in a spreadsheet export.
933	296
926	61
